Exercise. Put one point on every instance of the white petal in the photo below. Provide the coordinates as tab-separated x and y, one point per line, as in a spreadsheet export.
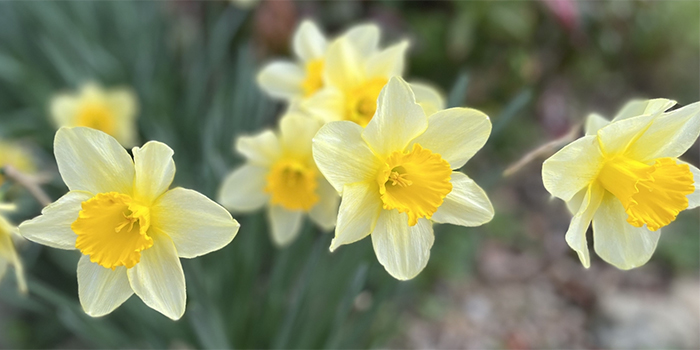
456	134
53	227
325	212
616	137
403	250
64	110
195	223
466	205
576	234
636	108
344	67
365	37
359	210
285	225
616	241
342	156
399	119
296	132
261	149
326	105
428	97
282	79
101	290
669	135
572	168
308	42
158	278
244	189
154	170
694	198
595	122
388	62
90	160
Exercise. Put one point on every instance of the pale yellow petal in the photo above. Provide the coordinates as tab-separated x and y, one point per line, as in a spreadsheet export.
618	136
101	290
308	41
635	108
365	37
387	62
243	190
8	255
53	227
669	135
261	149
124	104
296	132
616	241
325	212
64	109
399	119
342	156
595	122
90	160
282	79
359	210
196	224
403	250
285	225
466	205
428	97
694	198
344	66
456	134
576	234
572	168
158	278
154	171
326	105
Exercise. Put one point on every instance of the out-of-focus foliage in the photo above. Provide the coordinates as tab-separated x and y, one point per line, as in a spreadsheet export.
535	69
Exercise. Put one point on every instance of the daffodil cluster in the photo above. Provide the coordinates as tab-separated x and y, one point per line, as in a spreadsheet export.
625	177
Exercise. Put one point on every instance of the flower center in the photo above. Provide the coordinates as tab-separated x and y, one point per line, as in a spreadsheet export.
97	116
292	184
651	194
112	229
362	101
314	77
414	182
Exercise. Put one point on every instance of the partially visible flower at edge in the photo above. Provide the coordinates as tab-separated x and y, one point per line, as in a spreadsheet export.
17	156
8	253
112	111
625	177
280	173
396	176
130	228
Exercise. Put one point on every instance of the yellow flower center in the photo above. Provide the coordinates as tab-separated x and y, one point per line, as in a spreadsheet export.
414	182
651	194
97	116
112	229
314	77
361	102
292	184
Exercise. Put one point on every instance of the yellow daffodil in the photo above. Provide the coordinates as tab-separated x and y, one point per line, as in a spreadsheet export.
280	172
293	81
8	254
396	176
129	227
16	156
625	177
111	111
354	77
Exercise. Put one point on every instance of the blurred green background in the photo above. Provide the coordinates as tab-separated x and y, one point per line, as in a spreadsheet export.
536	68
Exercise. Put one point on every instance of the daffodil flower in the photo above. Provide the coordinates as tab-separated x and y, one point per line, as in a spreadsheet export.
15	155
355	76
396	176
112	111
626	178
8	253
280	172
129	227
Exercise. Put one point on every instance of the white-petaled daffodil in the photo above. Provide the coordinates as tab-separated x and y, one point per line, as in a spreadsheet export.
112	111
626	178
15	155
280	172
129	227
396	176
8	253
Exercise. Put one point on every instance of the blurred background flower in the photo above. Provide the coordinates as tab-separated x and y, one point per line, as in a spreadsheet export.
536	68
